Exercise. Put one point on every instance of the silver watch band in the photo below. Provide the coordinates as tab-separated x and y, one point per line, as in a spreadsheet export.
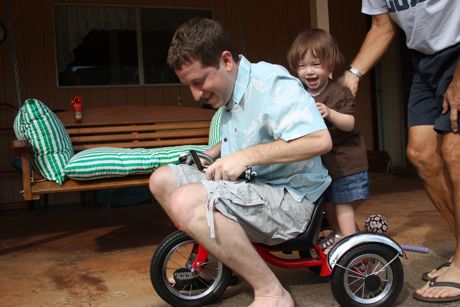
355	72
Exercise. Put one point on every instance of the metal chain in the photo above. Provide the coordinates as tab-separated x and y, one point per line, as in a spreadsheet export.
14	60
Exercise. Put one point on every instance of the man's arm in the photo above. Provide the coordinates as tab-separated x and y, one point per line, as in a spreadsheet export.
280	151
452	98
375	44
214	152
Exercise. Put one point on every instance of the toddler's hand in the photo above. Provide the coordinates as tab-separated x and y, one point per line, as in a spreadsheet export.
323	110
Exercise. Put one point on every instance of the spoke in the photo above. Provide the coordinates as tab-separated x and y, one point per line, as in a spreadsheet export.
180	254
356	280
178	265
383	268
347	269
362	286
375	268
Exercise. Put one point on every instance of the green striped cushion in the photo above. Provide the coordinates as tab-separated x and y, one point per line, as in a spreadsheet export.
106	162
48	138
214	129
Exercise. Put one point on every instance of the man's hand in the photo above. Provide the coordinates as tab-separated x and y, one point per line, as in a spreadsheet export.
323	109
452	99
226	168
350	81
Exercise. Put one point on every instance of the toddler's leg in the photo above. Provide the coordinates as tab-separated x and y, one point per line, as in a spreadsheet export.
346	218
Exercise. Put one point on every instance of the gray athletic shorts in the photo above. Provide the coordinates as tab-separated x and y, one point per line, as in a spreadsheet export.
268	214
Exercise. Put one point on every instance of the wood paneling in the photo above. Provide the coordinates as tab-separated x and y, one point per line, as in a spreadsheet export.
346	18
262	29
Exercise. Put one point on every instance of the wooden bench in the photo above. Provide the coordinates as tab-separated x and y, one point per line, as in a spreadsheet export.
128	127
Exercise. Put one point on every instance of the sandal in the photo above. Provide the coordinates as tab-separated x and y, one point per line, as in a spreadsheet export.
426	277
328	242
434	283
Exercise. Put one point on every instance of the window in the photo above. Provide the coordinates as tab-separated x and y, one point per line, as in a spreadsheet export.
101	46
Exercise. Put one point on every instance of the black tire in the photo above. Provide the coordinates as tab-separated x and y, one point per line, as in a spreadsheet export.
354	282
176	254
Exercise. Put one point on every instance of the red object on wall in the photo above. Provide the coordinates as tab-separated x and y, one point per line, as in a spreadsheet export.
77	107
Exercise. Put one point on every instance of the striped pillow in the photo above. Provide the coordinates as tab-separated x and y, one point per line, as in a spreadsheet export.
214	129
106	162
48	138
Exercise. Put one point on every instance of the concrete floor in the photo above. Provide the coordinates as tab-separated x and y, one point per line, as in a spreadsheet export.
87	256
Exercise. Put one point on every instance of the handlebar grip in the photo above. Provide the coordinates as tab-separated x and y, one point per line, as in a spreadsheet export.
197	160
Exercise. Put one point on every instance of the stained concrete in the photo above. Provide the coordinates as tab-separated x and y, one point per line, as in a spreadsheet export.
93	256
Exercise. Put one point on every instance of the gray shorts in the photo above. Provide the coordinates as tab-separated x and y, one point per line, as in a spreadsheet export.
268	214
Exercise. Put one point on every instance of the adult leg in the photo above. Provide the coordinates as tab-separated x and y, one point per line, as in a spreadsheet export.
186	207
424	152
162	184
451	156
231	245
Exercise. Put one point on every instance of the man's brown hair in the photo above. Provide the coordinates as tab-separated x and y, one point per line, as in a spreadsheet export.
321	45
200	39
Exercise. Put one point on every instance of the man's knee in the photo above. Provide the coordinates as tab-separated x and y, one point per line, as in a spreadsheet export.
160	179
187	204
424	157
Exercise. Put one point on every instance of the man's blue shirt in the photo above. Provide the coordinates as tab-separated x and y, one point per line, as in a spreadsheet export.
269	104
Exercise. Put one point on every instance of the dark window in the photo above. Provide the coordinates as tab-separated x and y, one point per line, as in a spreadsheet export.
99	45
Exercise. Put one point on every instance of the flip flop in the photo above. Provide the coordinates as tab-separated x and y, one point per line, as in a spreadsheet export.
426	277
434	283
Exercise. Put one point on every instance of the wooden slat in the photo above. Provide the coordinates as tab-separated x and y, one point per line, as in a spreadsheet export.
45	187
138	128
138	136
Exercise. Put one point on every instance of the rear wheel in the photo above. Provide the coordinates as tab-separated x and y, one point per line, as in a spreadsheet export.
368	275
177	283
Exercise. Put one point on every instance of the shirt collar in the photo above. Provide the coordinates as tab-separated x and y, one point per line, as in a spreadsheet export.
242	81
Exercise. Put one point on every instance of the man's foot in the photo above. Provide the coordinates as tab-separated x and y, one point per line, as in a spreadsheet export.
427	276
283	300
442	289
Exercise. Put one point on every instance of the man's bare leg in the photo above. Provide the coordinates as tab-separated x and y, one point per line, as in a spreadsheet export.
186	206
162	185
424	152
451	154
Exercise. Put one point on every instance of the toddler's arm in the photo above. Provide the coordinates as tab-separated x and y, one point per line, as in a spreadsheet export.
342	121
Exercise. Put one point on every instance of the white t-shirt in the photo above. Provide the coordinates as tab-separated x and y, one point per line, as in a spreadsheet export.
430	25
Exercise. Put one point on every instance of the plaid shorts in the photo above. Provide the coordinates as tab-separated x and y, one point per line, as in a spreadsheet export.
268	214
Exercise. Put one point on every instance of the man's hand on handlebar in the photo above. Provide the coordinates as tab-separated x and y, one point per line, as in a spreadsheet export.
229	168
226	168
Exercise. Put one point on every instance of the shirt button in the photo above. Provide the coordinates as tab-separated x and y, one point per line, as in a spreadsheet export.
225	139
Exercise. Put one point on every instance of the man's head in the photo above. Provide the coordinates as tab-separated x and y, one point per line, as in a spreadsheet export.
205	59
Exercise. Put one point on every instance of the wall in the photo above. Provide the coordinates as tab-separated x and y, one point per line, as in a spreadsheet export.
262	29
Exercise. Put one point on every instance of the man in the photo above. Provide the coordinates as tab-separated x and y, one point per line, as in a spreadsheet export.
432	29
270	123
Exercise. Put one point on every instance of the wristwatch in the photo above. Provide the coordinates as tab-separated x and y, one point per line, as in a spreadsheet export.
355	72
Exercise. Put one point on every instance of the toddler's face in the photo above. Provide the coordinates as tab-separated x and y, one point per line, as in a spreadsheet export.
313	73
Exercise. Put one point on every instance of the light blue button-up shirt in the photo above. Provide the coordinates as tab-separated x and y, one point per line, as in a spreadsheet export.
269	104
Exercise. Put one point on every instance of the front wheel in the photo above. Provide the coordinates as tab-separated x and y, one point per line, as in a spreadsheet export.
368	275
174	280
